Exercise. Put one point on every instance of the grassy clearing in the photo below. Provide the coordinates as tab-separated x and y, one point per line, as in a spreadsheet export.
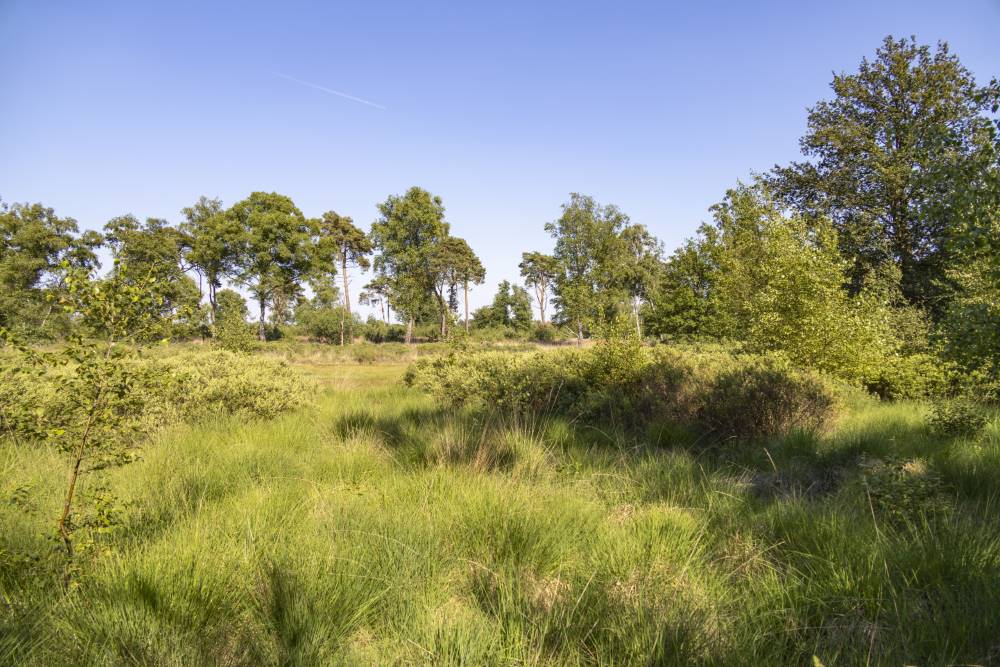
377	528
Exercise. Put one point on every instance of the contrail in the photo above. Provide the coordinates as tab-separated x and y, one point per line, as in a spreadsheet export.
330	90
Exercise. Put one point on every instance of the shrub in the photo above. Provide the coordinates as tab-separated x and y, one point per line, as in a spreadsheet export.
722	394
544	333
763	396
377	331
179	387
193	385
911	376
956	418
234	335
901	490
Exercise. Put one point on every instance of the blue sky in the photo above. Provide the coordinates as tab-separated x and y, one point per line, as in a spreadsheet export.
501	108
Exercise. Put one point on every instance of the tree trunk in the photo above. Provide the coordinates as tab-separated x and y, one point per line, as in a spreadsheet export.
212	303
261	331
579	332
409	331
466	306
545	288
347	296
638	323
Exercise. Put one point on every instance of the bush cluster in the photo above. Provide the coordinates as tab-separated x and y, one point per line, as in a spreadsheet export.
960	418
719	393
183	386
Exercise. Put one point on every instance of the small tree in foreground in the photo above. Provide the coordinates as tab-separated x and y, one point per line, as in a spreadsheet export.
94	423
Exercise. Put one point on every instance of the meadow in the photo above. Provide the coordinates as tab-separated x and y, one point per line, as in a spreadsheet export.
377	525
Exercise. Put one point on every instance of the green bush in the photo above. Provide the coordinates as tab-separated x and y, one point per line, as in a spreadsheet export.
956	418
544	333
721	394
233	334
911	376
192	385
377	331
170	388
763	396
900	490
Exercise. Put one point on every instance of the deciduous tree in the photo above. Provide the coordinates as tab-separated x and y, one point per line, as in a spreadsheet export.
893	157
409	228
539	271
342	245
274	248
211	240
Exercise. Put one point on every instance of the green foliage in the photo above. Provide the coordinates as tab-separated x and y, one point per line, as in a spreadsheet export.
454	265
405	237
901	491
36	246
328	323
917	375
234	334
723	396
210	239
591	256
539	271
779	287
377	331
154	249
544	333
680	308
762	397
274	247
511	310
198	385
900	157
92	384
958	417
339	245
971	324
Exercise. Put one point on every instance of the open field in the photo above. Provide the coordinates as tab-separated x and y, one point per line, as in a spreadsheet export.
376	527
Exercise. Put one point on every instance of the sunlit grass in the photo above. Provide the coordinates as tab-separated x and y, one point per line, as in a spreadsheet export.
375	528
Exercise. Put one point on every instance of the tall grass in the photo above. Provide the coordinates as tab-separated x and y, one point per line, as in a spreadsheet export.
376	528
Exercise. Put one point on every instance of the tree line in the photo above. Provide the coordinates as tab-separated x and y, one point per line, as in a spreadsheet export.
875	257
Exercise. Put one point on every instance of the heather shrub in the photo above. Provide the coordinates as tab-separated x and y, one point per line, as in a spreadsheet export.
902	489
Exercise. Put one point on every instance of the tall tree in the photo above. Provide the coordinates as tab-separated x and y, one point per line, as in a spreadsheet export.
34	243
453	264
340	242
590	252
640	274
511	308
274	248
377	292
779	286
210	244
893	156
680	307
153	249
409	228
539	271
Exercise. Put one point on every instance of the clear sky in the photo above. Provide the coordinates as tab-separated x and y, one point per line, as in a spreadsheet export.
501	108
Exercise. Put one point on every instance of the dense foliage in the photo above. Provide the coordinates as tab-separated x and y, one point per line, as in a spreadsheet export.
717	393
